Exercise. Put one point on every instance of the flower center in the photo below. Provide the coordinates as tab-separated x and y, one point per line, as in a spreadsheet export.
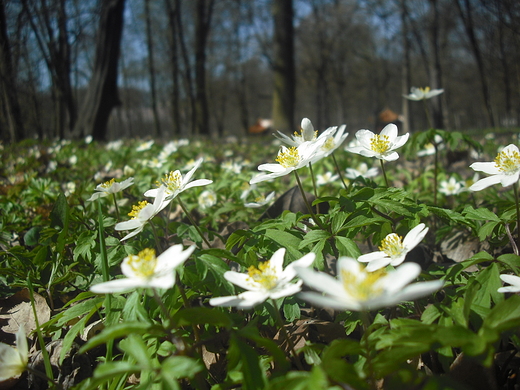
329	144
136	209
108	184
508	162
144	263
392	245
264	275
302	135
362	287
172	181
289	157
425	90
380	143
259	199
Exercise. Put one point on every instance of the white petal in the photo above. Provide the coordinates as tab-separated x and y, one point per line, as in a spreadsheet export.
329	302
165	281
128	225
321	282
418	290
372	256
275	168
402	276
197	183
118	285
379	263
288	290
485	183
511	279
400	141
509	289
151	193
390	157
277	261
390	131
306	261
415	236
487	167
240	280
507	180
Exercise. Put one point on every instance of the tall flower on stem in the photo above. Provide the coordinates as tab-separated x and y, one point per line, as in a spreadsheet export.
111	187
381	146
357	289
393	249
13	360
146	270
505	169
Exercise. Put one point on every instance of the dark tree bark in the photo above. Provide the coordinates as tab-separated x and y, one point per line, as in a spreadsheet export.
151	68
406	72
435	66
174	63
204	10
466	14
49	25
283	66
102	93
8	97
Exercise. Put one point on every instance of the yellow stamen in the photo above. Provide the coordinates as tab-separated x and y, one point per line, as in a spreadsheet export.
329	144
380	143
144	263
362	288
392	245
108	184
136	209
260	199
508	161
264	275
425	90
172	181
289	158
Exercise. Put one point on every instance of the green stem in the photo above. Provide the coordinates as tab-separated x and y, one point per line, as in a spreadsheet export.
106	276
45	353
290	343
115	204
193	221
339	172
313	181
309	207
515	188
428	117
365	340
384	172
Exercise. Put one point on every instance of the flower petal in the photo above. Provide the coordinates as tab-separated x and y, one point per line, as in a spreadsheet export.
485	183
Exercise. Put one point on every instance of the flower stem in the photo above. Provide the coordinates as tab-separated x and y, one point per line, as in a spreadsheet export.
313	181
193	221
115	204
366	343
515	188
384	172
339	172
286	335
309	207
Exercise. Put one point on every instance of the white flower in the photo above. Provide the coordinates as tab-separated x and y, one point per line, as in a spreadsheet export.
333	138
232	166
357	289
207	199
394	249
326	178
114	145
514	282
307	133
289	159
269	280
451	187
429	148
423	93
88	139
145	270
363	171
175	183
504	170
13	360
145	145
380	146
261	201
142	213
110	187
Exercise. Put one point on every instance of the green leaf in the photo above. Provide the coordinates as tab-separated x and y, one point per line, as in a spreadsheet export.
286	240
313	236
242	355
135	347
201	315
347	247
505	315
32	236
59	214
512	260
180	367
480	214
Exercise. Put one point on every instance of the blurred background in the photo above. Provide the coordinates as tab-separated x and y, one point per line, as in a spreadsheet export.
184	68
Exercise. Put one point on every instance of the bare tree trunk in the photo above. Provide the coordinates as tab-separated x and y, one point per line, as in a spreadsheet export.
435	67
283	65
102	94
406	74
466	14
9	97
204	9
174	61
151	68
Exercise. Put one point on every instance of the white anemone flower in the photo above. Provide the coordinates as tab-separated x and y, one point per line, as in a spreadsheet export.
363	171
333	138
145	270
393	249
380	146
145	145
110	187
269	280
142	213
307	133
423	93
451	186
260	201
175	183
13	360
504	170
514	282
289	159
357	289
326	178
207	199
